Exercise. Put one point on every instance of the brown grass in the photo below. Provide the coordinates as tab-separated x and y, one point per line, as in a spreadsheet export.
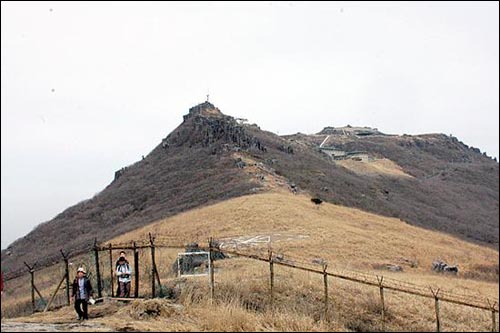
348	239
242	303
381	166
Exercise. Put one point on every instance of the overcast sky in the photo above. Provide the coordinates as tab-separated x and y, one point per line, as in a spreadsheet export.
88	88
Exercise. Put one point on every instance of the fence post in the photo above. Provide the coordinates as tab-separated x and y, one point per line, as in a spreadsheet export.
97	270
32	272
40	295
493	321
153	266
436	306
271	275
382	302
111	270
325	282
136	269
66	267
54	295
33	290
493	316
211	269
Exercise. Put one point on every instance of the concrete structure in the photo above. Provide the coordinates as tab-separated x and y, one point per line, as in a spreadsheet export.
351	131
337	154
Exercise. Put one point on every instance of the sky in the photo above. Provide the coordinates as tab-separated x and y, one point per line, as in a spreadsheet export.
88	88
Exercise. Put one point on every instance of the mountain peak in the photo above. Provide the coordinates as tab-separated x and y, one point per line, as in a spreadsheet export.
205	109
206	126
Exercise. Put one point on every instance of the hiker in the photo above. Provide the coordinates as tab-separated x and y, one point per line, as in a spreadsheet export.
82	292
124	255
123	272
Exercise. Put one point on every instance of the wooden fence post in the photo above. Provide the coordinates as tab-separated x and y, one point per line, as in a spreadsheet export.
382	301
39	294
136	269
211	269
54	295
493	321
153	266
325	282
438	323
32	272
111	270
493	316
33	290
158	278
66	275
436	307
97	270
271	276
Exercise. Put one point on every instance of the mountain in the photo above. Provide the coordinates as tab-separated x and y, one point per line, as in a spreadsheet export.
434	181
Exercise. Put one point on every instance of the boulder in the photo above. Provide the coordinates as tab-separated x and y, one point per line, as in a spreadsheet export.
442	267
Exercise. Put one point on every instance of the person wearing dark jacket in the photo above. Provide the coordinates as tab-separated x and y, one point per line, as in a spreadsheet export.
82	292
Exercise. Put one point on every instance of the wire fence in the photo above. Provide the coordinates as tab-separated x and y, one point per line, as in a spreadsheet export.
148	274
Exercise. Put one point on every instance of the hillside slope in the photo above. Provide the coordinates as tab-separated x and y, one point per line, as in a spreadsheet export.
184	174
349	239
440	183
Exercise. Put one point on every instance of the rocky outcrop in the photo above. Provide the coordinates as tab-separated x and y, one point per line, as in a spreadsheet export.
206	126
205	109
286	149
442	267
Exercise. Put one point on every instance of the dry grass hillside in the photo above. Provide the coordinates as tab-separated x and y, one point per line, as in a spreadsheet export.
349	239
378	167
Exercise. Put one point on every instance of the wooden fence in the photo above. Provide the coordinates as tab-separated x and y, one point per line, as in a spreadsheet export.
380	282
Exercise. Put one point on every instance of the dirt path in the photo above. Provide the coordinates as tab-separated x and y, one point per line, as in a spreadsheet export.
12	326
